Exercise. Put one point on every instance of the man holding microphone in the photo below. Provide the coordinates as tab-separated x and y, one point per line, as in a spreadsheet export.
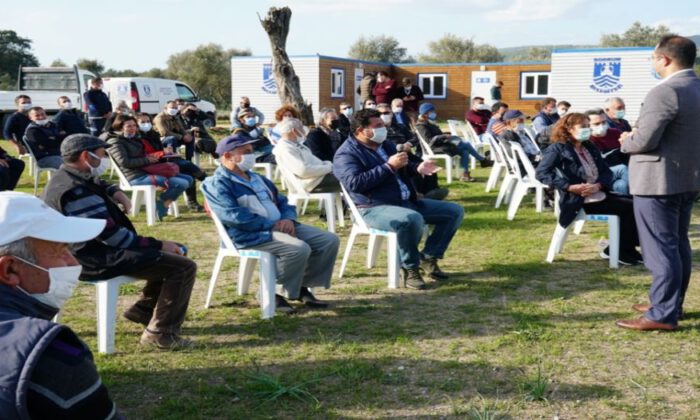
376	176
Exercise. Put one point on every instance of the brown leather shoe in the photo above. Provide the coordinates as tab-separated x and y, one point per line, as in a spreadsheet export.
644	324
641	307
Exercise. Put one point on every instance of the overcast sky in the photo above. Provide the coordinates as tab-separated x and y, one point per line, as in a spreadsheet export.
141	34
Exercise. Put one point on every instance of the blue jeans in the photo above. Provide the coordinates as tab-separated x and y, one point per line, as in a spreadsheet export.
466	149
408	222
52	161
621	183
172	142
175	185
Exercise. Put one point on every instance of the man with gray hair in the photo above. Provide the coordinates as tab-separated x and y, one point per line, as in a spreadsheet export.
47	371
615	114
325	139
296	159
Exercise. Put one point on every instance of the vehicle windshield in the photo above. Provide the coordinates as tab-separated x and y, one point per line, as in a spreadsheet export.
186	93
49	81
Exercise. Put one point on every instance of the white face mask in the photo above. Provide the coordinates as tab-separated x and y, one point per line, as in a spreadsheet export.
583	134
398	110
379	135
386	119
26	107
172	111
371	106
179	107
247	162
520	127
482	107
62	282
347	112
68	105
620	114
562	111
101	168
42	122
145	127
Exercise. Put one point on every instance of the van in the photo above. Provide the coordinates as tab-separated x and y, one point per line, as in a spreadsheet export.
149	95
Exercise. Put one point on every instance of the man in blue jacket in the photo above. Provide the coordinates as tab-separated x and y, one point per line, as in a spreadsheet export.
17	123
99	106
378	180
257	216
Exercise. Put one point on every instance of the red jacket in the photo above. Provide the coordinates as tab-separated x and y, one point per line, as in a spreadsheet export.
384	92
479	120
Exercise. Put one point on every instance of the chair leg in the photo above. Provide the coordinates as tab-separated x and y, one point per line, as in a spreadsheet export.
339	209
557	242
493	177
245	273
329	204
348	249
506	185
518	194
614	241
107	294
135	203
214	275
578	226
393	261
375	244
268	280
150	201
448	170
539	197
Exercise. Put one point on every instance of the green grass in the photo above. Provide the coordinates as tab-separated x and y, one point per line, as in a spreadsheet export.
507	336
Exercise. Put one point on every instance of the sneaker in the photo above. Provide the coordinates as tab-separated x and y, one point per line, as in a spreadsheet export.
486	163
161	210
412	278
430	265
282	306
195	207
164	341
466	177
310	300
138	315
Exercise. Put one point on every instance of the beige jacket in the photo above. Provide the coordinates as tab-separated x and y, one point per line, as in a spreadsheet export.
167	125
298	160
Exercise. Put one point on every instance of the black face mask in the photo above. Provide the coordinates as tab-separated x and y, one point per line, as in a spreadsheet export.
335	124
245	105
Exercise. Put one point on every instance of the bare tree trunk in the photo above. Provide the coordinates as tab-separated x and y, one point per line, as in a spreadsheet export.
276	24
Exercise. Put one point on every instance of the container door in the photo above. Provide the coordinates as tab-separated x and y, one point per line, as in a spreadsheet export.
482	82
359	73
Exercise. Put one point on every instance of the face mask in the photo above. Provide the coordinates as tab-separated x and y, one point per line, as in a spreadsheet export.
334	124
371	106
620	114
68	105
379	135
247	162
432	116
245	105
101	168
172	111
398	110
520	127
42	122
482	107
600	130
584	134
145	127
562	111
179	107
26	107
552	111
347	112
62	282
386	119
250	121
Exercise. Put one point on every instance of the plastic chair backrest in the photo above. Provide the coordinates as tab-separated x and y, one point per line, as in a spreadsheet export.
356	215
513	159
525	162
427	151
221	230
29	149
493	144
123	181
454	124
469	131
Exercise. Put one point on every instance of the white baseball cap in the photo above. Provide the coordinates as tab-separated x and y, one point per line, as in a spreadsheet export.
25	216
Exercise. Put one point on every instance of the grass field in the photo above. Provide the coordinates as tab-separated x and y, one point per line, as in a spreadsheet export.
508	336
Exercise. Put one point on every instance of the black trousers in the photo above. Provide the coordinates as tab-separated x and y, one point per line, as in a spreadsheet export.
9	175
622	207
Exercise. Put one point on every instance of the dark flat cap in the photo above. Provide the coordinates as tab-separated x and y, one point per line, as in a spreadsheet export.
76	143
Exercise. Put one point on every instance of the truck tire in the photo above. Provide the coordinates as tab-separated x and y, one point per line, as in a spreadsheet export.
210	122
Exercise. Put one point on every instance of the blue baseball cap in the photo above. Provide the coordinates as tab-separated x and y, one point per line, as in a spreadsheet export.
239	139
513	114
425	108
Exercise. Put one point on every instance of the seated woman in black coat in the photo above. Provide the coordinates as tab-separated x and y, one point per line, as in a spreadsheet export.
575	167
325	139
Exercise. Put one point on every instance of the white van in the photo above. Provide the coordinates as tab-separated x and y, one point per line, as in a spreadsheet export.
149	95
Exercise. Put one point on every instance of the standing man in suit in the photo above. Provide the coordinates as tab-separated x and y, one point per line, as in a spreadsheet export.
664	173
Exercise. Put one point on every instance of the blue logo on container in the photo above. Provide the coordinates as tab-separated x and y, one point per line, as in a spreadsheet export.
606	75
269	85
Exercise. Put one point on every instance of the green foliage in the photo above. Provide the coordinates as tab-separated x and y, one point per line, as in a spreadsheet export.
636	35
535	388
207	69
58	63
534	54
92	65
15	51
268	388
381	48
454	49
120	73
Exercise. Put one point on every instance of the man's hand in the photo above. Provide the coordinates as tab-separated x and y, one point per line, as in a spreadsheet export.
285	226
577	189
187	138
624	136
398	161
122	199
168	150
428	167
152	159
589	189
171	247
4	163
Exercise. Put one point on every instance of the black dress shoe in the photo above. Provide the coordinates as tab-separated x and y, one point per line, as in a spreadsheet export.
282	306
310	300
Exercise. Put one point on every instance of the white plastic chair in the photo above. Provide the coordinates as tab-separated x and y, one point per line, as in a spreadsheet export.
560	234
331	201
107	294
530	131
34	168
524	182
142	195
428	154
376	236
268	270
479	144
499	164
512	172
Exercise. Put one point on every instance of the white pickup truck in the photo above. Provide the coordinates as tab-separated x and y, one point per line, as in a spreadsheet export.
45	85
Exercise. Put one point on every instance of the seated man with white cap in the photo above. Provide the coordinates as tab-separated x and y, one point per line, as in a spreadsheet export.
257	216
76	190
47	371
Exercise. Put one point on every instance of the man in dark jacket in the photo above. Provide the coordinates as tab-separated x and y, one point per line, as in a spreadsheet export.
98	105
411	95
76	190
375	175
10	171
344	119
384	89
43	139
478	115
47	371
17	123
69	120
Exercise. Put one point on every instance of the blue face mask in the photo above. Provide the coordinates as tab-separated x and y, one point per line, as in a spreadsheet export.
432	116
251	121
